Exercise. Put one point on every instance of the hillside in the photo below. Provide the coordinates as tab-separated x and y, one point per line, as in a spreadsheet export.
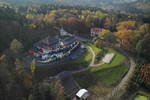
68	2
139	7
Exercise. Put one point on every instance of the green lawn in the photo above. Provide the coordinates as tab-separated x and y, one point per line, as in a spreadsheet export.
111	75
105	77
117	60
140	97
95	49
84	60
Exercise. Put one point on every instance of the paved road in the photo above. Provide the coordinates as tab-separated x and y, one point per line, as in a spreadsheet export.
120	88
122	85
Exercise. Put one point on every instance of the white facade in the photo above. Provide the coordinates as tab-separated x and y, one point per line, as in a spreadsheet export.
64	33
45	51
44	57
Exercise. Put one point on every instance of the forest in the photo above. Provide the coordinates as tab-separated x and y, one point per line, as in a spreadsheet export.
21	26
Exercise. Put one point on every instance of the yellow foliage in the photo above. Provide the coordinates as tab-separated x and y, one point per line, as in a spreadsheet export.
33	66
127	25
97	42
27	80
124	33
104	32
2	58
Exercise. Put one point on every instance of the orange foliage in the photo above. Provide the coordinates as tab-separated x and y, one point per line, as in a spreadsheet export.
145	71
27	80
2	58
125	31
125	37
73	20
127	25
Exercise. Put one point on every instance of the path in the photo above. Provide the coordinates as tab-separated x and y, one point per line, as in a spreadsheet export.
91	63
120	88
122	85
93	59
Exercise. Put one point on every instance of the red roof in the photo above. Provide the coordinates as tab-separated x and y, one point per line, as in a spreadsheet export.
34	51
96	30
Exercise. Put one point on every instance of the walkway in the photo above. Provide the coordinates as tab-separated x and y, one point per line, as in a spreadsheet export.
121	87
91	63
93	59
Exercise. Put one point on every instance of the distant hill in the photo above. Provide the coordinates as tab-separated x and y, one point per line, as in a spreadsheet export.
144	1
67	2
125	6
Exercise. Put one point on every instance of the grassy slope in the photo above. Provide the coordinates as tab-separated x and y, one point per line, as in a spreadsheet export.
105	77
107	74
84	60
117	60
95	49
139	97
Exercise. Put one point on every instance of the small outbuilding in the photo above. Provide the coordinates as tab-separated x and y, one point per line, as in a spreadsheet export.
83	94
108	57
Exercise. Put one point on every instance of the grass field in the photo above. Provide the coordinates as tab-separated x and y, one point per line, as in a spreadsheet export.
84	60
106	75
117	60
140	97
95	49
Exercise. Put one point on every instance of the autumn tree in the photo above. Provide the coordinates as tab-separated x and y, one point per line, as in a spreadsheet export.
57	90
127	34
24	76
145	72
48	91
145	29
143	47
103	33
110	38
108	23
16	46
129	25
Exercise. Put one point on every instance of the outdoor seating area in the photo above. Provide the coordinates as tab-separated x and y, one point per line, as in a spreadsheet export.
108	57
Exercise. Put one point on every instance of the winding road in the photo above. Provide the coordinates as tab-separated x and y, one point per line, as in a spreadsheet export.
121	87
